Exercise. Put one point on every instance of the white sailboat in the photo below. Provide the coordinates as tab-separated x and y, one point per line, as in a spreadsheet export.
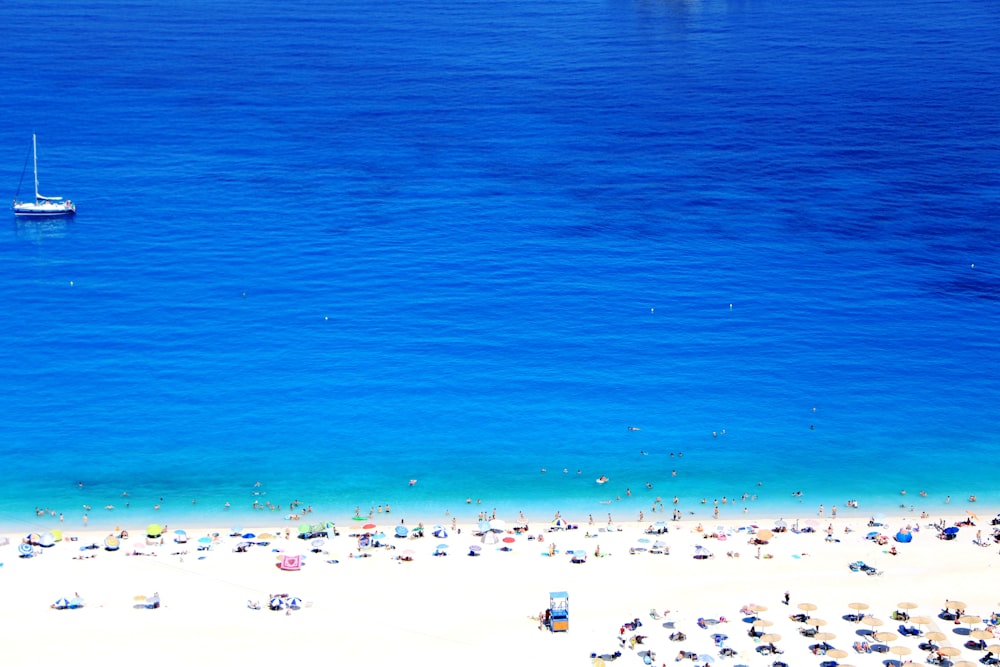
42	206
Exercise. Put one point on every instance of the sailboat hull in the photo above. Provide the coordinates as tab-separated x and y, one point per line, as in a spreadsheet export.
44	208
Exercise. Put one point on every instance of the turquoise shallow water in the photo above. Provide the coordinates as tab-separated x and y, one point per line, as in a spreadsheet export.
334	249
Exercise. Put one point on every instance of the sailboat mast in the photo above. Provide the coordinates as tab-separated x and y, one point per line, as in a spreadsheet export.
34	152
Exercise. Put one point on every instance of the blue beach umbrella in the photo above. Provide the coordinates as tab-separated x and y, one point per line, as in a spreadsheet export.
248	536
442	546
46	540
951	530
402	531
25	549
61	603
76	603
205	540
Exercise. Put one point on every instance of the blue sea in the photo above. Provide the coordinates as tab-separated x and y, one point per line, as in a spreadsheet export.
332	247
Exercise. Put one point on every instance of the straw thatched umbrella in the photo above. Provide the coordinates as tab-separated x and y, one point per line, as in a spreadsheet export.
762	623
857	606
872	621
837	653
907	605
981	634
949	651
901	650
815	622
886	636
994	649
824	636
954	604
807	606
970	619
920	620
757	608
935	636
965	663
770	637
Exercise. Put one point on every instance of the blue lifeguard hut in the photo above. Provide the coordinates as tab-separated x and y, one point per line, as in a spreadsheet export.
559	611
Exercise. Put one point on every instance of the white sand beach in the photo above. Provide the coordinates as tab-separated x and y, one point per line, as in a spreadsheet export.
460	610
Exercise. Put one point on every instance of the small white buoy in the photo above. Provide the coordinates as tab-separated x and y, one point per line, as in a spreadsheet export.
327	318
71	283
973	266
730	306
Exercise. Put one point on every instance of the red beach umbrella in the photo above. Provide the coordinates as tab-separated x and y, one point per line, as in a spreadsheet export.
509	540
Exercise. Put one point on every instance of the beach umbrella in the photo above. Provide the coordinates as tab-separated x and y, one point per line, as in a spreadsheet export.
402	531
318	542
898	650
378	536
807	606
76	603
248	536
61	603
369	526
154	530
205	540
907	605
276	603
970	619
757	608
509	540
857	606
824	636
475	547
872	621
935	636
111	543
954	604
499	525
764	535
951	530
704	657
994	649
949	651
236	529
265	536
815	622
837	653
885	636
139	598
965	663
46	540
57	534
643	540
762	623
981	634
770	637
25	549
305	528
780	523
442	547
920	620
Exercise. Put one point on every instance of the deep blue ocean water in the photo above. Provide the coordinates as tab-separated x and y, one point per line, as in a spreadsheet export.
333	247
